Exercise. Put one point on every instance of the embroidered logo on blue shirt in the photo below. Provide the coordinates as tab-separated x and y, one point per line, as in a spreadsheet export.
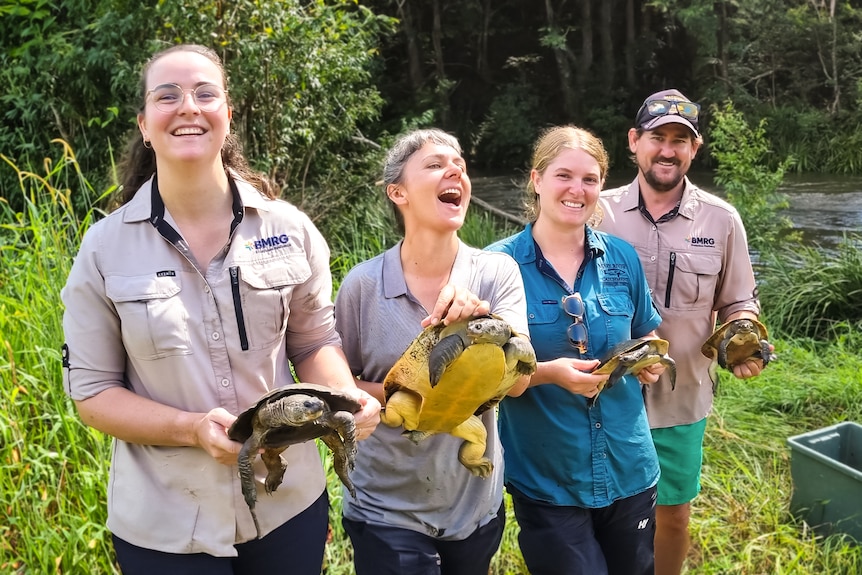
268	244
613	273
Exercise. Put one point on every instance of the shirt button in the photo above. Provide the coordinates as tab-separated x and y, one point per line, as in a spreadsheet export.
654	227
532	316
207	289
652	258
225	382
598	425
216	336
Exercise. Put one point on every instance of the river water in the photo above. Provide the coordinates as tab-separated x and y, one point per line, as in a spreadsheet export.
822	207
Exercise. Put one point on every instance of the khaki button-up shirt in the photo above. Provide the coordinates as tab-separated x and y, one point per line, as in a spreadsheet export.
139	314
697	266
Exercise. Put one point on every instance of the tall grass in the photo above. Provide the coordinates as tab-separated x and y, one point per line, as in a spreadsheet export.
55	470
808	292
52	488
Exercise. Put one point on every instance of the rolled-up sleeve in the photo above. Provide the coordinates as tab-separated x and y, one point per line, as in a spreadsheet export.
94	357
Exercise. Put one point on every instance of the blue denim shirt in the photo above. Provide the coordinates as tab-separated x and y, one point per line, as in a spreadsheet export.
557	450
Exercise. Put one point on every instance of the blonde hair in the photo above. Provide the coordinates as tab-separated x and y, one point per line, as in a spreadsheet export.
549	145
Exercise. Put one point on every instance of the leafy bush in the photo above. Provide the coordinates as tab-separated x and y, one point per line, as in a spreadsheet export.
741	153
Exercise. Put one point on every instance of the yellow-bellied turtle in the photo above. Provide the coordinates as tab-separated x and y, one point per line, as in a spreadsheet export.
734	343
449	375
288	415
631	356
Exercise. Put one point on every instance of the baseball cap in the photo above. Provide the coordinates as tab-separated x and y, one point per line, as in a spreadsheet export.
666	107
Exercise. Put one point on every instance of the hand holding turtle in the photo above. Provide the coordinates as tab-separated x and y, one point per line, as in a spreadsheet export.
456	303
211	435
368	417
650	373
571	374
751	367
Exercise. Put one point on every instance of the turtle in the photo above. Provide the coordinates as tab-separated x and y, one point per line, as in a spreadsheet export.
288	415
735	342
631	356
449	375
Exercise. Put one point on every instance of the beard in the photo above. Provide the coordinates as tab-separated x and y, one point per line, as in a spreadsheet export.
665	184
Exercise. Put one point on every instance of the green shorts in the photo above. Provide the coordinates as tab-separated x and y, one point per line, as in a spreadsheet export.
680	456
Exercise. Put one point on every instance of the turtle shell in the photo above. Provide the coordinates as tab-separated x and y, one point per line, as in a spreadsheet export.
737	341
242	428
450	374
276	421
631	356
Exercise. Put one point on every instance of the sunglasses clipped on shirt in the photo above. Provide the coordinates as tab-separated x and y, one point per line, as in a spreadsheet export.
577	332
658	108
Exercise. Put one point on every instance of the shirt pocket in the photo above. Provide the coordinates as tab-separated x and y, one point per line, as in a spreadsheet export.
547	323
153	319
617	311
693	282
265	291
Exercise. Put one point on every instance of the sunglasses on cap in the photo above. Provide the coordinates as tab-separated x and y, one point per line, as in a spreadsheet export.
577	332
657	108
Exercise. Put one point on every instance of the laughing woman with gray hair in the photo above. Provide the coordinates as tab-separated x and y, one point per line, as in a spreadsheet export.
418	510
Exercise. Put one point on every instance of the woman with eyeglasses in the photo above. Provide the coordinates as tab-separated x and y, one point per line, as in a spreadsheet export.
418	510
183	307
582	478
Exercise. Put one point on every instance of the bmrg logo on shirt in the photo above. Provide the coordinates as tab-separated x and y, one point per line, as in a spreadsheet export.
268	244
697	241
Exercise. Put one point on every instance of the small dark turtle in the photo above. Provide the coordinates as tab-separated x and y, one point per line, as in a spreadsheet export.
294	414
449	375
734	343
631	356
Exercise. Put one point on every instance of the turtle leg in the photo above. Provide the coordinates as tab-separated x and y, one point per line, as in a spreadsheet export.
722	353
765	353
618	372
275	467
670	367
520	356
442	354
472	451
246	476
402	408
343	457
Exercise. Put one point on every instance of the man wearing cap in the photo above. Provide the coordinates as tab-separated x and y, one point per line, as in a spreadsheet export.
695	254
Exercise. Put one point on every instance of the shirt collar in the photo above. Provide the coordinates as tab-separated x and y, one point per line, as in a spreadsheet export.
395	285
141	206
631	198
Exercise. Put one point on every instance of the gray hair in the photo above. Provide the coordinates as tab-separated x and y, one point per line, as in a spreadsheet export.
408	144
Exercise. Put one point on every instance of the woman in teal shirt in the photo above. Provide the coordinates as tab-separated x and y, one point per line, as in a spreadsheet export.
582	478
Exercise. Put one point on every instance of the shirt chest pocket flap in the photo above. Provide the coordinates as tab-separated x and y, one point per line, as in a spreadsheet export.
264	294
153	319
694	281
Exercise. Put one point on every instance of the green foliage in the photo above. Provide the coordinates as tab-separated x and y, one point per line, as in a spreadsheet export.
741	154
300	75
812	293
68	73
514	118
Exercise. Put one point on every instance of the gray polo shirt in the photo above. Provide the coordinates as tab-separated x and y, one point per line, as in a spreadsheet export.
140	315
697	266
420	487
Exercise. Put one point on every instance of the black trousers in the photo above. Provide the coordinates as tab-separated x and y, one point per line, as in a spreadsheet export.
296	548
386	550
613	540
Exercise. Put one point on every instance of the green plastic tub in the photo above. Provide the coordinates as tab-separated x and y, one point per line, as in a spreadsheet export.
826	466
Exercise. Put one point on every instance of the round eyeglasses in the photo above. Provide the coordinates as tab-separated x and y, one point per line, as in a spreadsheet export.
169	97
577	332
